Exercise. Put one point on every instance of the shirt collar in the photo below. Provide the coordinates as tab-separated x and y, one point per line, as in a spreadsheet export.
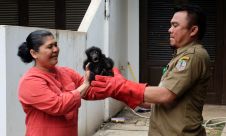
54	74
185	48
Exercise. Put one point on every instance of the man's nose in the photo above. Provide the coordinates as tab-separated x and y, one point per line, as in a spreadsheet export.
170	30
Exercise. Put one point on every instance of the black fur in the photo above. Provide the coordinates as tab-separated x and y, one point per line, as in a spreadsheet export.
99	63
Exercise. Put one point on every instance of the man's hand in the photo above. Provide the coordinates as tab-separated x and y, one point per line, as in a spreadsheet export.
117	87
105	86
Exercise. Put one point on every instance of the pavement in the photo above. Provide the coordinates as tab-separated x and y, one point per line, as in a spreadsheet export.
224	132
126	123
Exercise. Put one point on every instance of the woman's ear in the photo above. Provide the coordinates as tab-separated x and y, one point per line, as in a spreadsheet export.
33	53
194	30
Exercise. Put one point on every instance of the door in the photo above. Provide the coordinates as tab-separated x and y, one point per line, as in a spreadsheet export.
155	52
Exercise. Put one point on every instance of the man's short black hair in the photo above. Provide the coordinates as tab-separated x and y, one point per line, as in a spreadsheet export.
196	16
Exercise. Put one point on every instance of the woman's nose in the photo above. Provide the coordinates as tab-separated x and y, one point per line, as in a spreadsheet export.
55	49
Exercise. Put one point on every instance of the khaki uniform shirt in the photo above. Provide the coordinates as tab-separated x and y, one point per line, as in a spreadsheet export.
186	76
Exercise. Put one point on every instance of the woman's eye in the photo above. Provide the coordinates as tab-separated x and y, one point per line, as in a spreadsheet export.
50	46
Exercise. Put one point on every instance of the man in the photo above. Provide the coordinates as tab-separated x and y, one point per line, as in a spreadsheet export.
179	98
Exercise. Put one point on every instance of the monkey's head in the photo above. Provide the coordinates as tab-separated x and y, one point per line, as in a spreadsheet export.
94	54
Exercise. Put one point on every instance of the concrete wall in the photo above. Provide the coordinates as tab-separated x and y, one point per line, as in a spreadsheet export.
123	35
2	82
72	46
133	39
103	32
117	35
15	120
118	42
93	25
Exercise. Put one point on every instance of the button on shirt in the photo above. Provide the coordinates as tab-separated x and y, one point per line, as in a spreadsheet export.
186	76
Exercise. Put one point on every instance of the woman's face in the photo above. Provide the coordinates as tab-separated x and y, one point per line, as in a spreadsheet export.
47	56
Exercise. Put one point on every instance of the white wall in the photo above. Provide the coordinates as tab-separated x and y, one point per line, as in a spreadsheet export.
14	36
133	38
118	42
92	24
72	46
2	82
117	35
105	33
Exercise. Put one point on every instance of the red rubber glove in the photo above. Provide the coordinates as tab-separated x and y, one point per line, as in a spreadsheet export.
118	88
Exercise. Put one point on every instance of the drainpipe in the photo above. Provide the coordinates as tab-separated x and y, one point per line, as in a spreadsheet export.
106	51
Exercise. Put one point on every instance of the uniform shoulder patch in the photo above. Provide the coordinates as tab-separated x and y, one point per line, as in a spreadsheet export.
181	64
184	58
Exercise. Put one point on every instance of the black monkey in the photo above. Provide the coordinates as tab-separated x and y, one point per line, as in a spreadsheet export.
99	64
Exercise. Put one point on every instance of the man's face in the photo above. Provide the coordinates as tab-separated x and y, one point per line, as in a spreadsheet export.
180	33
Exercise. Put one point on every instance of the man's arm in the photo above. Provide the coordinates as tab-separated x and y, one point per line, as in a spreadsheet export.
158	95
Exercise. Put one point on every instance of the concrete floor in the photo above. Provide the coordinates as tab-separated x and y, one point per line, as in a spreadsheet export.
214	111
224	132
137	126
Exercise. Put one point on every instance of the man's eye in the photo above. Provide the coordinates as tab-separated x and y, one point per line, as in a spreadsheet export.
174	24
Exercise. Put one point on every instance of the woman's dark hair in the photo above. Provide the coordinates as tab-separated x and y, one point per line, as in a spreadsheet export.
196	16
34	41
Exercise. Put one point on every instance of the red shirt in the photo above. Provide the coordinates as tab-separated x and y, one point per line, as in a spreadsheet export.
50	101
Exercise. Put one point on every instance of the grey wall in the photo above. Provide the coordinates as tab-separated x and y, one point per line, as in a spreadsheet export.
118	41
72	46
92	24
117	36
133	39
2	82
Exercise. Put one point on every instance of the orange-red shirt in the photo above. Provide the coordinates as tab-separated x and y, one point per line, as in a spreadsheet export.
50	101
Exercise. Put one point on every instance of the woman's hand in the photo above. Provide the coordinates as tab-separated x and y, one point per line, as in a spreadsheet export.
87	75
84	87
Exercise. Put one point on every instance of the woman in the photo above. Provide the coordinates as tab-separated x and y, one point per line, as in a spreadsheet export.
50	95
